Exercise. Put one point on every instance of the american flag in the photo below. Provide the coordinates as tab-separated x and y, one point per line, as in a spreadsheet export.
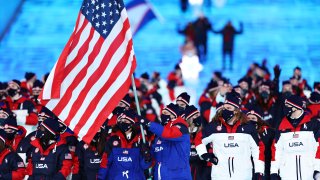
94	69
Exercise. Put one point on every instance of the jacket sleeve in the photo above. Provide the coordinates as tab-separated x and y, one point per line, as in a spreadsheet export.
32	118
17	168
78	163
203	138
65	161
171	133
317	160
257	152
105	163
276	153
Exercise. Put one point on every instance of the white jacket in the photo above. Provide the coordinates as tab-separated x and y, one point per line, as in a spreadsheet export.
234	149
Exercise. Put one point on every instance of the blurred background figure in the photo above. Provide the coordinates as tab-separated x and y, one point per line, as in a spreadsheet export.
201	27
228	34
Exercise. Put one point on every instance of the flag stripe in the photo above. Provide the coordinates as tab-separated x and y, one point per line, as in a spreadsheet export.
95	71
116	97
59	74
100	76
66	82
112	78
76	86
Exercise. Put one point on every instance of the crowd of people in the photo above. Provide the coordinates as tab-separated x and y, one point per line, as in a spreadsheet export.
251	130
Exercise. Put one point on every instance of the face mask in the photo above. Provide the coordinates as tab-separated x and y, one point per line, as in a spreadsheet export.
227	115
288	112
46	138
10	136
197	121
12	92
181	108
286	94
118	110
96	137
298	77
264	94
124	127
244	92
195	129
165	119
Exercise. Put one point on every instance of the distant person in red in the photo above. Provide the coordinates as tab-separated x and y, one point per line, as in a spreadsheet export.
188	32
299	84
174	79
228	34
27	84
15	101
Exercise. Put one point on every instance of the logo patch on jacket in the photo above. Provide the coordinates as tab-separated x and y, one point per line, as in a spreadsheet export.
158	142
41	166
115	143
231	145
125	159
219	128
125	152
295	135
68	156
230	137
295	144
20	165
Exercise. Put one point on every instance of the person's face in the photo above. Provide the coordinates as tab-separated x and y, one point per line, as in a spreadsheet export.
244	85
36	91
165	112
3	115
181	104
32	80
8	130
123	120
287	88
229	107
297	73
251	117
13	86
123	105
193	117
264	88
238	90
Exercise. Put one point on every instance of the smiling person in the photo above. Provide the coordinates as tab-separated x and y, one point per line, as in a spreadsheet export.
296	151
234	142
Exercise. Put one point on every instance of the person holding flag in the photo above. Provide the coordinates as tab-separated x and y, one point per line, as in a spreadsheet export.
171	146
126	156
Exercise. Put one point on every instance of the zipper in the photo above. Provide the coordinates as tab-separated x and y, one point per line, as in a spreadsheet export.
229	167
297	170
232	165
159	175
300	167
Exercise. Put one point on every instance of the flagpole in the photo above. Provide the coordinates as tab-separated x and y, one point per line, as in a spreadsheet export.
138	107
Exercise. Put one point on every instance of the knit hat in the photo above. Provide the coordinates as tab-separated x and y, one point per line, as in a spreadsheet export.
52	125
15	82
213	85
3	136
285	83
126	100
145	76
29	75
316	85
295	101
190	111
314	98
45	113
266	83
219	106
38	83
6	111
11	123
254	110
233	99
184	97
129	115
173	109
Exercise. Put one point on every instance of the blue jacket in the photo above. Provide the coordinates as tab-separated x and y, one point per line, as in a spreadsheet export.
171	150
88	162
122	159
53	163
11	165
